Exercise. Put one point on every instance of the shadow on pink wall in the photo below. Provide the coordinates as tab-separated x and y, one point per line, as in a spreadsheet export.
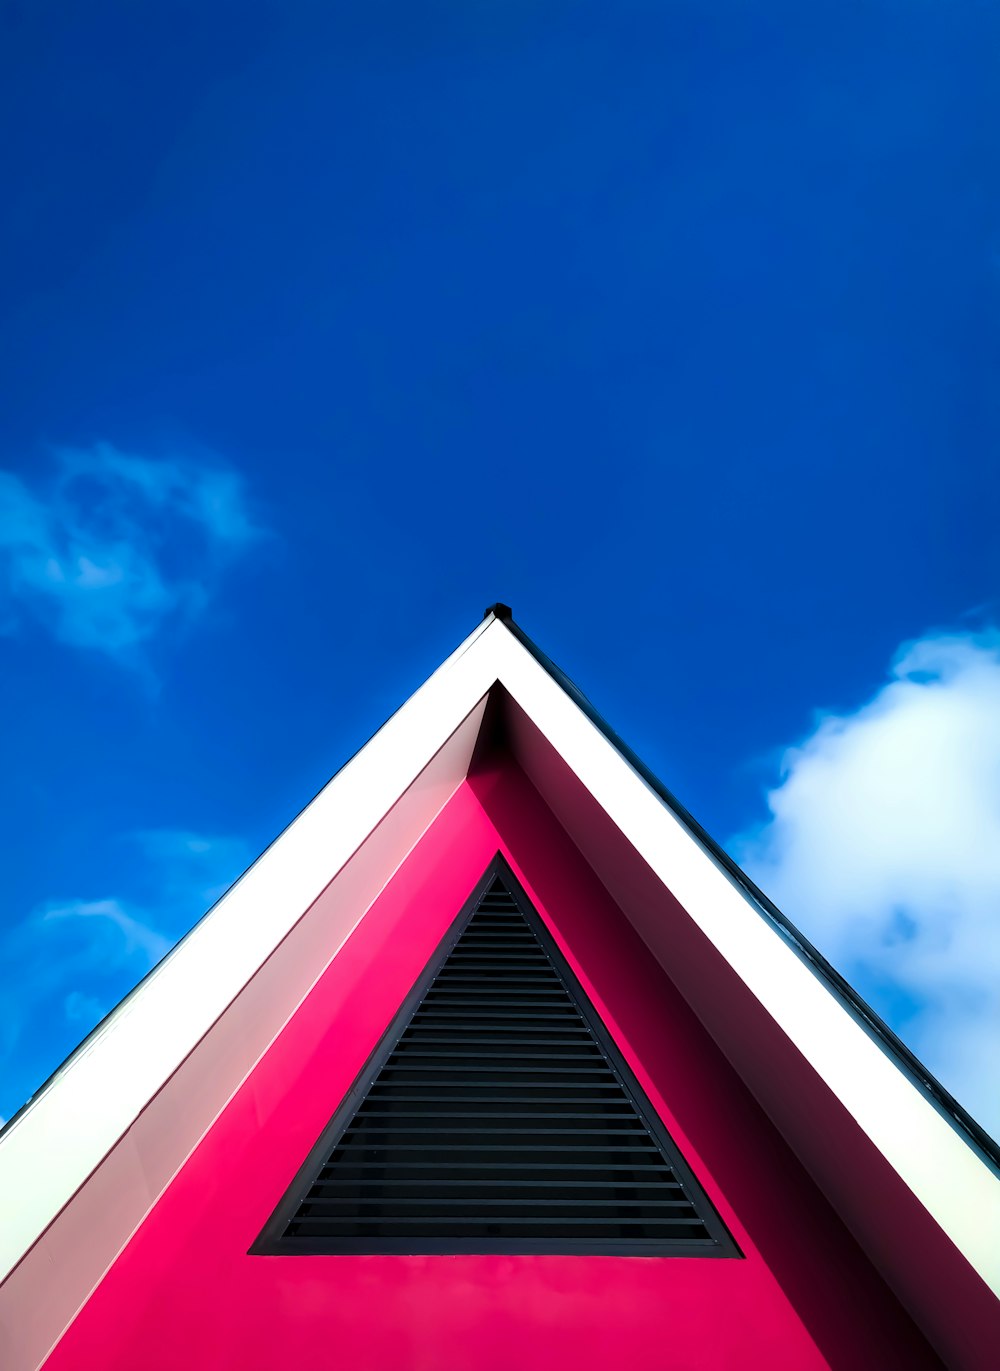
184	1292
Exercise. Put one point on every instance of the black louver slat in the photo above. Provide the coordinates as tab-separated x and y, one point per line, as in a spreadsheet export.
496	1116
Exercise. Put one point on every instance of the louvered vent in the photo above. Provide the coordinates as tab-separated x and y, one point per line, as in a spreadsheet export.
496	1116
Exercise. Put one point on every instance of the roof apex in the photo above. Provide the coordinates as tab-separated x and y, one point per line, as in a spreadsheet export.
499	611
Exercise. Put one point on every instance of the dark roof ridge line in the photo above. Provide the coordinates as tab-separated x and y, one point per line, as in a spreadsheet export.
873	1024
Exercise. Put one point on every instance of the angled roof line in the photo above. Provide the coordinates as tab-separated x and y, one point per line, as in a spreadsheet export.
860	1010
89	1038
158	1077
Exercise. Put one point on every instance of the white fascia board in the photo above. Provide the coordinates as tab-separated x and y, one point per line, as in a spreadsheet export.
50	1148
106	1084
942	1170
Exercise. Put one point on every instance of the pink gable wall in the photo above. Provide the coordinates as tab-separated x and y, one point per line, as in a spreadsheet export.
185	1294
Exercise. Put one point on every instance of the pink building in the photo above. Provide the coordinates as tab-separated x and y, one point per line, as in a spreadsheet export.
494	1060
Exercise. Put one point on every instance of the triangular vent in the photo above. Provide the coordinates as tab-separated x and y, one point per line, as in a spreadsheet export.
496	1115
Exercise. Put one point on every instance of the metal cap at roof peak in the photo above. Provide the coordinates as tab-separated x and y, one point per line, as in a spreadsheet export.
499	611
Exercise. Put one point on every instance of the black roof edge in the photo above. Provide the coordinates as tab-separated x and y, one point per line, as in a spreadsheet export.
862	1012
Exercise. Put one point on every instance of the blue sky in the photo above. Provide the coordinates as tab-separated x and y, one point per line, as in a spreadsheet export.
672	325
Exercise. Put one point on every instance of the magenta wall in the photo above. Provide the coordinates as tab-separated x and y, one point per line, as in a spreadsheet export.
184	1294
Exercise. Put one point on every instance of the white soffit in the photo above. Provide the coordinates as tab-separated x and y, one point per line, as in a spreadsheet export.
946	1174
100	1090
50	1148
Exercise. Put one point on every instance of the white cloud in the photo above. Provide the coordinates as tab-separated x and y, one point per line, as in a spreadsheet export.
113	546
63	968
883	846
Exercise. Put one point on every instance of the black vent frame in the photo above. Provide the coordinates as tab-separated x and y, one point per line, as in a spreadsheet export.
444	1172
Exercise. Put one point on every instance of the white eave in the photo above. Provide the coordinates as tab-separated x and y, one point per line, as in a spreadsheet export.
424	752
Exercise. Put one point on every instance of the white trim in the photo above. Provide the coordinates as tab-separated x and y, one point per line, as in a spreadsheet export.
44	1292
104	1087
54	1145
948	1177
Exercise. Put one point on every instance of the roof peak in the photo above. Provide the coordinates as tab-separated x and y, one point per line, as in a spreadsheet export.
499	611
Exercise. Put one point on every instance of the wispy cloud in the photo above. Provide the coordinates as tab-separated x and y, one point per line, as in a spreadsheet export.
189	867
883	844
64	967
118	933
114	546
61	969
